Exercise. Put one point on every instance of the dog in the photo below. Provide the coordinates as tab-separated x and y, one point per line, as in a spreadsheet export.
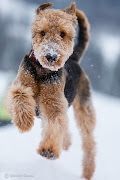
50	80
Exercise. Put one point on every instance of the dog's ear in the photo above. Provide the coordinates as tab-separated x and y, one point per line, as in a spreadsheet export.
43	6
71	9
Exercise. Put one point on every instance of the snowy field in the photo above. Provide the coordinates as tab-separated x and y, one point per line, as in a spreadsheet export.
19	160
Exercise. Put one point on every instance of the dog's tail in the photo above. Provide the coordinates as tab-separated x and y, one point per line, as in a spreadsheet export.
83	36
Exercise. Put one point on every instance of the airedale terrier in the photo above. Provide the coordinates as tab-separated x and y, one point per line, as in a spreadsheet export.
50	79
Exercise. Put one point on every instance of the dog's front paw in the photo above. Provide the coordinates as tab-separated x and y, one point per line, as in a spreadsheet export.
48	154
50	150
23	122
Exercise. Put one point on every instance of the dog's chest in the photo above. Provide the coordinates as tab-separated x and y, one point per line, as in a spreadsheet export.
72	72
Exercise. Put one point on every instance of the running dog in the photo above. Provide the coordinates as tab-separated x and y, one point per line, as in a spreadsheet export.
50	79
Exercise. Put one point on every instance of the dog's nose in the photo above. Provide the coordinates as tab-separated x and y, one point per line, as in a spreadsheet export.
51	58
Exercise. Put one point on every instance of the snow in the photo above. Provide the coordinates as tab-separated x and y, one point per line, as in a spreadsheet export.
19	160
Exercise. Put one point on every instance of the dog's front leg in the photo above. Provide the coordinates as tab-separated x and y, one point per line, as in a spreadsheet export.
53	107
20	103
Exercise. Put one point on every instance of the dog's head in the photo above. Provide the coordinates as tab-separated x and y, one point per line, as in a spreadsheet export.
53	33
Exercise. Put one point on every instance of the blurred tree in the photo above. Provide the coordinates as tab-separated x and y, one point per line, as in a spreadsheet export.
115	86
93	65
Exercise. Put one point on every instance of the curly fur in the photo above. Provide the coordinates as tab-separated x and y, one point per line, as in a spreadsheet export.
48	88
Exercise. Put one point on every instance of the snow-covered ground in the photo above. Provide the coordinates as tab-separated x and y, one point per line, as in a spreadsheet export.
19	160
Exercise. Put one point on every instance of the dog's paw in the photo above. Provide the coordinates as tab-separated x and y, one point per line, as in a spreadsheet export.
24	123
49	150
48	154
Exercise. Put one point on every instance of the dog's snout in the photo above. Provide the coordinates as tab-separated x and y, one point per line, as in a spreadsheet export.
51	58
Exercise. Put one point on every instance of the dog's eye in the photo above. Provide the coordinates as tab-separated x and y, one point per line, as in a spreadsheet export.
62	34
43	33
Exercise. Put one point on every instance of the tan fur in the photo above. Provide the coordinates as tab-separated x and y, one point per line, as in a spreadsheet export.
53	22
85	116
27	92
67	140
21	100
20	106
53	106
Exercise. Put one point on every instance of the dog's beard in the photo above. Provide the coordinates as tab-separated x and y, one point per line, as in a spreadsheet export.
52	48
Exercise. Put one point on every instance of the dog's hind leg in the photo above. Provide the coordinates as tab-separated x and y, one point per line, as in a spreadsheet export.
85	116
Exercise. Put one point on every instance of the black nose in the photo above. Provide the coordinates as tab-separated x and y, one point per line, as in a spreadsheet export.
51	58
